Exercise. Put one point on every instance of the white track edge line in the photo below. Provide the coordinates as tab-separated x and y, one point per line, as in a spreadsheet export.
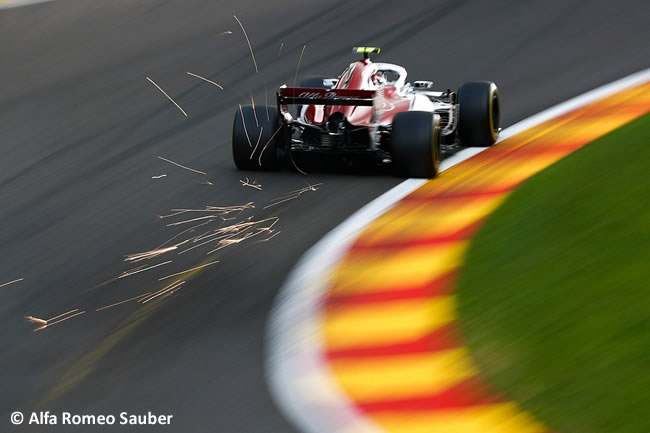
298	377
17	4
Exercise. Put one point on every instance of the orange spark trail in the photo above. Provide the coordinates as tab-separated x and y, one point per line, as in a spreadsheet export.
59	321
188	270
298	67
182	166
11	282
168	97
129	273
248	42
205	79
122	302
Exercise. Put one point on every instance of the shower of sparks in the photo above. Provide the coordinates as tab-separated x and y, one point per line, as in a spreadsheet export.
188	230
266	101
248	42
160	176
292	195
168	97
280	50
182	166
298	67
141	269
252	184
176	284
188	270
11	282
243	121
257	143
137	257
50	322
219	210
123	302
227	32
233	234
205	79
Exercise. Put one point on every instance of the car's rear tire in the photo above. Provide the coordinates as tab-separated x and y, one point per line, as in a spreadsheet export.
479	113
415	144
257	138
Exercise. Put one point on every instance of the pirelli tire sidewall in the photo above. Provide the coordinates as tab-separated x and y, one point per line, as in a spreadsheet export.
257	136
415	144
479	113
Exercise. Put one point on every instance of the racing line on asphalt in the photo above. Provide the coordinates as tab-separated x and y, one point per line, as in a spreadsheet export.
364	337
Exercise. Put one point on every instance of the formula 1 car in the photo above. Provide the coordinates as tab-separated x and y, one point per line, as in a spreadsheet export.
369	110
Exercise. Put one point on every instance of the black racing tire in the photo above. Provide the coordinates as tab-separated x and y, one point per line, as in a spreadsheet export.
479	113
257	138
415	144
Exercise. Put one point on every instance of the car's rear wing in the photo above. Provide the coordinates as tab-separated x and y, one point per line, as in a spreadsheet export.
307	96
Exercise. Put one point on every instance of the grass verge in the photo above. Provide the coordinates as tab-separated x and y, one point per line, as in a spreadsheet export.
554	299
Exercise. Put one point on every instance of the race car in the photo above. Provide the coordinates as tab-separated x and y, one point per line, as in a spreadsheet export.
370	111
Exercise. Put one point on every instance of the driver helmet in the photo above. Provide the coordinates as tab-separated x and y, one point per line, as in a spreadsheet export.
378	78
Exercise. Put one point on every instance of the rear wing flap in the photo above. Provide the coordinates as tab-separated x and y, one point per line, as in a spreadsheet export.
309	96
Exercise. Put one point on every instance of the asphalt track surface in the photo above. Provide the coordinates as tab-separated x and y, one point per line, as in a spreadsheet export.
80	132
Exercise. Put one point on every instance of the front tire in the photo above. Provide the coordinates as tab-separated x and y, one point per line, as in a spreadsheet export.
479	113
257	136
415	144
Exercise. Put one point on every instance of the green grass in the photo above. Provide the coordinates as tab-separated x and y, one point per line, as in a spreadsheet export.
555	295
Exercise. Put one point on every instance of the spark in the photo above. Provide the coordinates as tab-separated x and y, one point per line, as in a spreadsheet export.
243	121
168	97
259	160
11	282
280	50
248	42
257	124
294	163
61	315
188	270
252	184
32	319
298	67
182	166
192	220
59	321
160	176
137	270
206	182
292	195
257	143
176	284
266	100
149	254
227	32
122	302
270	237
205	79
